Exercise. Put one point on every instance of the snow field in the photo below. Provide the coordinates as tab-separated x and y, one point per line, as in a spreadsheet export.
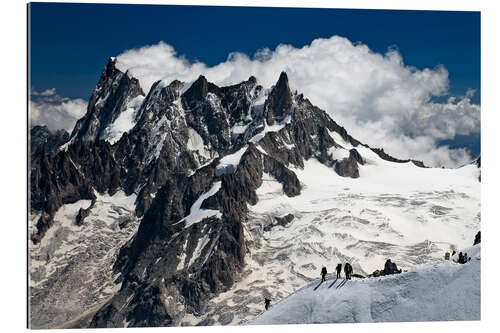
440	291
229	163
125	121
399	211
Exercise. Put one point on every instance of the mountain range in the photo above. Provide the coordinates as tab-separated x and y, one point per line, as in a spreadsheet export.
187	205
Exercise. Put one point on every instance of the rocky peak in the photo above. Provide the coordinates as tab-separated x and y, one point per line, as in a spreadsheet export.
197	92
252	79
199	87
109	71
279	102
175	86
112	95
164	93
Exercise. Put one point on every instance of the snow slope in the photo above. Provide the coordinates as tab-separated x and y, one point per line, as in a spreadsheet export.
409	214
443	290
196	214
125	121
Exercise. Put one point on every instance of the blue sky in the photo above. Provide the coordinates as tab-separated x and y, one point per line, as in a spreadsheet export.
425	111
71	42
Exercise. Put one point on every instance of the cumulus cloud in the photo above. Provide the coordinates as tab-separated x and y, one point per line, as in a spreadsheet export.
378	98
54	111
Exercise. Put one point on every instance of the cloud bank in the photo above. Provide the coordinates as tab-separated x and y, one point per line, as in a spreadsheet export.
56	112
378	98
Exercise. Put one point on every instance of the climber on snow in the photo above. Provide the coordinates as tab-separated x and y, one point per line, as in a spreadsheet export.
347	271
323	274
460	258
267	303
339	270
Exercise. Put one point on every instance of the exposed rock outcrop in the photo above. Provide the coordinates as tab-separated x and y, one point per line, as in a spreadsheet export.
43	139
279	102
348	167
83	213
284	220
382	154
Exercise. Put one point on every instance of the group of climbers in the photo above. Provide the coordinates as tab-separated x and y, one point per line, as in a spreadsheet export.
463	257
389	267
338	268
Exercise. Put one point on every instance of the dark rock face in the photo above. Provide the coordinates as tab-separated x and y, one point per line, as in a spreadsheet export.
55	180
83	213
380	152
176	262
114	90
279	103
420	164
199	91
291	184
348	167
283	221
353	154
43	224
478	163
477	238
42	139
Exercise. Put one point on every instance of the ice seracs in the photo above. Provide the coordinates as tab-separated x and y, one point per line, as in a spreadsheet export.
71	269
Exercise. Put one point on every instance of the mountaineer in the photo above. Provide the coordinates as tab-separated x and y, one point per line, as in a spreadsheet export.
267	302
323	274
347	271
339	270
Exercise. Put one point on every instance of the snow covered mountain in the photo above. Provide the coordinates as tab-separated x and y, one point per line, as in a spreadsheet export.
193	202
440	291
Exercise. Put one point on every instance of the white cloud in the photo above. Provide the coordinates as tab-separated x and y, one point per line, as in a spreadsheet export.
47	92
378	98
56	112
